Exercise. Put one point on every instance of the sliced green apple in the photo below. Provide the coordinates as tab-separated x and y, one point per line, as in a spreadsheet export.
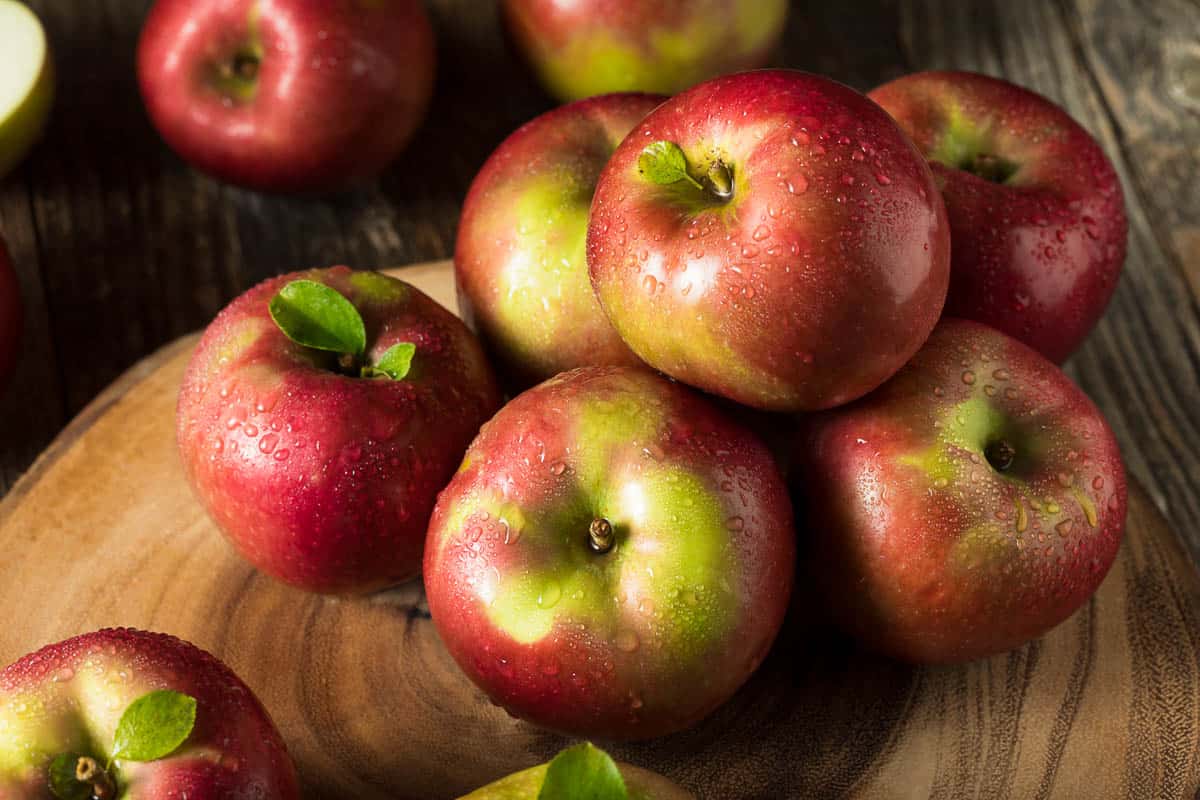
26	82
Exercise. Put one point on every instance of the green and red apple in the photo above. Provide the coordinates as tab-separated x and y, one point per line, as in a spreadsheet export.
287	95
589	47
26	82
121	713
582	772
967	506
520	260
319	417
1036	210
771	237
614	556
11	315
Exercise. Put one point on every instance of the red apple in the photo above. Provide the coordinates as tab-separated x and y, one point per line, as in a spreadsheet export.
287	95
68	699
968	505
771	237
320	477
588	47
10	315
1036	210
614	556
520	261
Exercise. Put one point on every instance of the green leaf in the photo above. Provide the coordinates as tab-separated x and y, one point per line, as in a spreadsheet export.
396	361
317	316
154	725
664	163
62	778
583	772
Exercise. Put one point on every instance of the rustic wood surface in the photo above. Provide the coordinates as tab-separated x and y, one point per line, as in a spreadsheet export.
121	247
1106	706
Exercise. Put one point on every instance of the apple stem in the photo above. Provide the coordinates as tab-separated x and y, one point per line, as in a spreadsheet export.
720	180
600	536
87	770
1000	454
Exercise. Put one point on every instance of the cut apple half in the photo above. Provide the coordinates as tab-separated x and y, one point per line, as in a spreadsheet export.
26	82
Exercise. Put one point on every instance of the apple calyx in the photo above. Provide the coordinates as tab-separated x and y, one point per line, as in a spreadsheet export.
1000	454
600	536
321	318
89	771
665	164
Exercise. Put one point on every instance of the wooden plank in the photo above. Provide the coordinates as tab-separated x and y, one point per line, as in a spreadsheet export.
1105	706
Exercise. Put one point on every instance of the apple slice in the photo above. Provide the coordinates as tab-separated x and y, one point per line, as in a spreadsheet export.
26	82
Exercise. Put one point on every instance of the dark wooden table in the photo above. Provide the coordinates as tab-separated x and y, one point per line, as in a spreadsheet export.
120	247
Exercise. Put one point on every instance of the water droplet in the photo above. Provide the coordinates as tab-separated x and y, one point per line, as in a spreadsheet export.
761	232
282	455
250	430
627	641
735	523
267	443
797	184
550	595
1098	482
1064	527
63	675
645	606
882	179
968	377
650	284
1001	375
1022	516
557	468
847	179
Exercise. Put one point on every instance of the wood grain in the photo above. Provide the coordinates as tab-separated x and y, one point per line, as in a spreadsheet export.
121	247
104	531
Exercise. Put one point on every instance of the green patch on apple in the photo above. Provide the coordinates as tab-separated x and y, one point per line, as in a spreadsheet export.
319	317
970	146
26	82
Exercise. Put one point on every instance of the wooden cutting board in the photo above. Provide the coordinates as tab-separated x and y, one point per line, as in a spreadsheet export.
103	531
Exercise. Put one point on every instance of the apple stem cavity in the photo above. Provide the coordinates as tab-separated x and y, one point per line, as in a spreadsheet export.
1000	454
88	770
665	164
720	180
600	536
990	167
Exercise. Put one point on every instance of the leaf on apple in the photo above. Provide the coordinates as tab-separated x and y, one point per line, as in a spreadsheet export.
63	783
664	163
154	725
318	316
583	772
395	362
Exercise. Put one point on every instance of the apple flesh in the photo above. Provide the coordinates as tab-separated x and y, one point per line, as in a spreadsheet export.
614	556
591	47
526	784
323	480
807	278
520	259
68	697
1036	210
287	95
11	316
968	505
26	82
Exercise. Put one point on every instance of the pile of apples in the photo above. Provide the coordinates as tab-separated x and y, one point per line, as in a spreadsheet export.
767	329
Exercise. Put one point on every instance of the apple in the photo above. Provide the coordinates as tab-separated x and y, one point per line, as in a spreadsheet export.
771	237
589	47
26	82
138	714
11	315
582	772
1036	210
287	95
320	460
613	557
968	505
520	260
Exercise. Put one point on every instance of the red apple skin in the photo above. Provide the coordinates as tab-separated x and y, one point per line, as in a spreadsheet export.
322	480
925	550
652	636
233	751
341	87
520	260
1039	255
11	316
813	284
591	47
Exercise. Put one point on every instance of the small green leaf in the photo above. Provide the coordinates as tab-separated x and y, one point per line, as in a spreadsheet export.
154	725
396	361
583	772
664	163
317	316
63	784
